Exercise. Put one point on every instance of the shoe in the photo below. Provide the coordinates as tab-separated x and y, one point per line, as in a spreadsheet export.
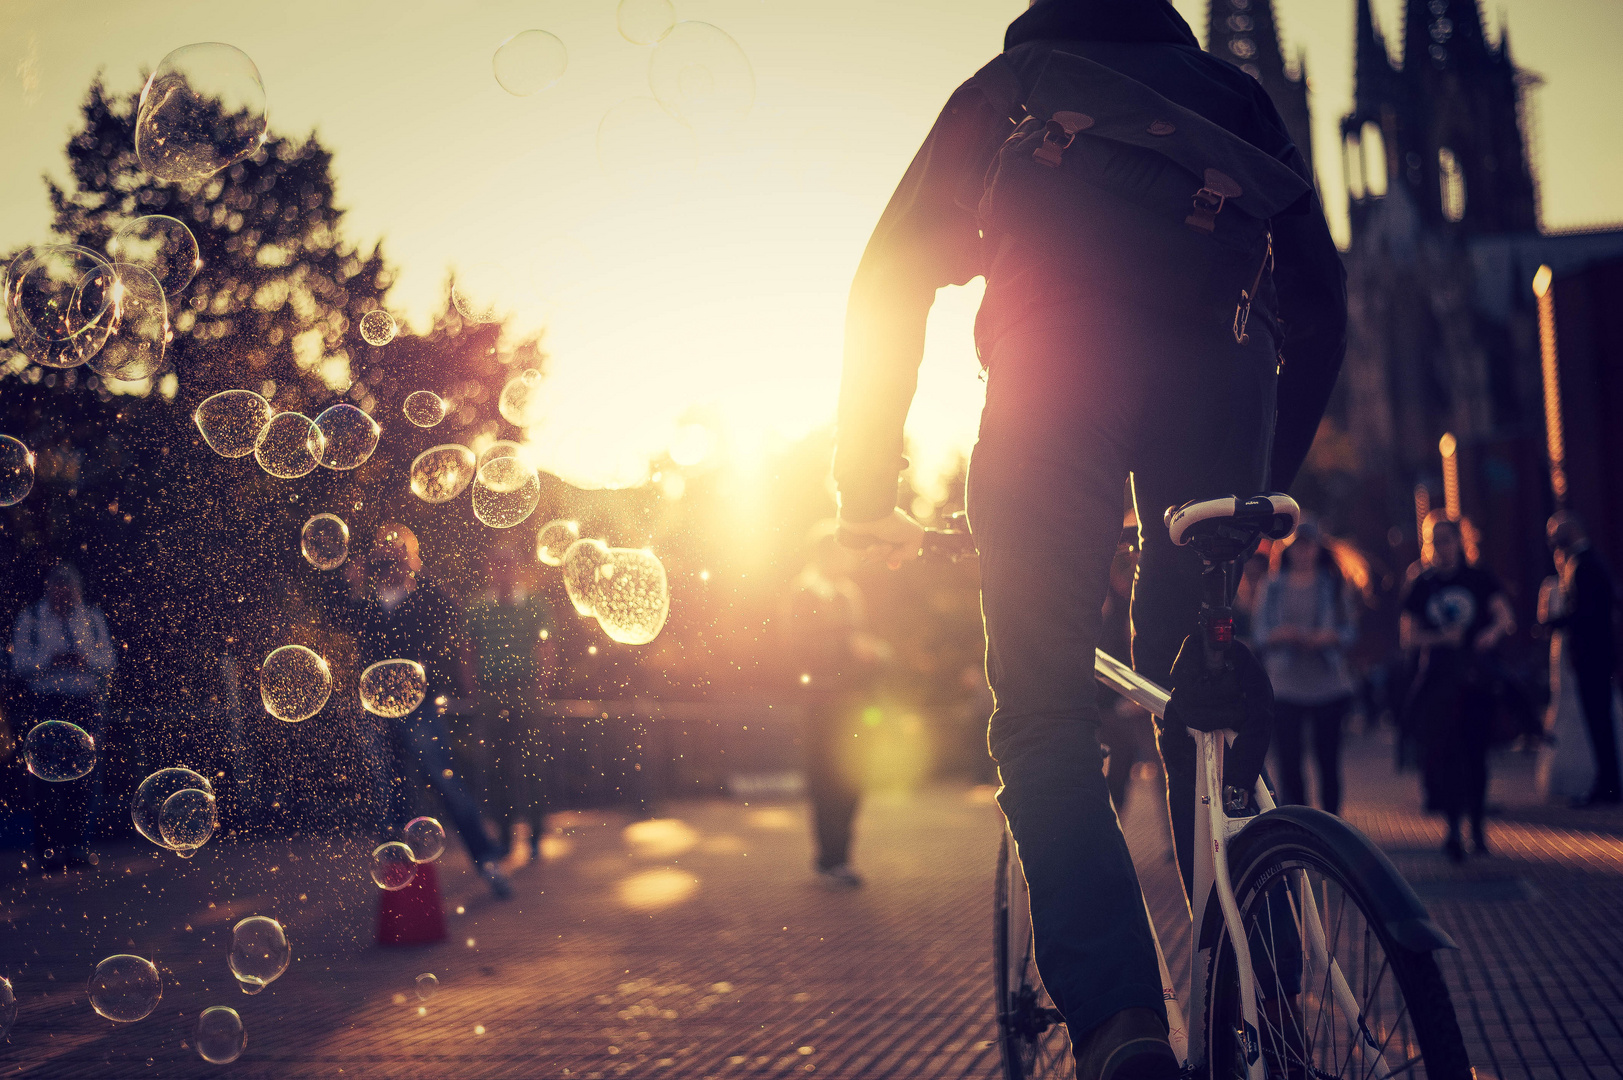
1479	847
499	886
840	877
1131	1045
1454	848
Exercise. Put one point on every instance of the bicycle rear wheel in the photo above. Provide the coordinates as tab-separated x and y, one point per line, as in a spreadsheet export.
1033	1039
1388	1013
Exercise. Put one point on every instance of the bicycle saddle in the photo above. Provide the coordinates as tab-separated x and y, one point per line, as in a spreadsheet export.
1225	528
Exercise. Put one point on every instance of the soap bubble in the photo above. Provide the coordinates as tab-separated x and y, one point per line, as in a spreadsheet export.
499	449
250	988
125	988
701	75
162	246
16	471
643	22
581	560
520	403
201	110
324	541
640	145
294	683
187	819
259	950
424	408
427	986
631	598
392	866
506	491
57	750
140	327
440	473
8	1004
393	688
378	327
481	292
529	62
146	805
554	539
289	447
59	303
347	437
426	838
232	421
219	1035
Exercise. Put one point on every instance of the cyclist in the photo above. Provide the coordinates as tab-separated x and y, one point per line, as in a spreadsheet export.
1118	341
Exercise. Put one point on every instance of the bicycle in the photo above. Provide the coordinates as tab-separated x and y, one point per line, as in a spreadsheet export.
1338	976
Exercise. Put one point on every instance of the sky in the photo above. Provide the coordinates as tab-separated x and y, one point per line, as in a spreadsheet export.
716	288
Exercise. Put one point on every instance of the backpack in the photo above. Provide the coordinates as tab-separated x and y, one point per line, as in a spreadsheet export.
1103	171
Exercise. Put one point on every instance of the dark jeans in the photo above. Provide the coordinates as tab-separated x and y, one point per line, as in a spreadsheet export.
1070	414
832	785
1324	720
512	756
65	813
417	748
1595	694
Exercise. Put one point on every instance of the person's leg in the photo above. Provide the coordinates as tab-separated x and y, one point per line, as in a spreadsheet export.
1289	719
427	746
1595	695
831	791
1328	720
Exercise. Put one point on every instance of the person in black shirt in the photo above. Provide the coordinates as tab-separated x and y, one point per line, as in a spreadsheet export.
1454	615
1591	605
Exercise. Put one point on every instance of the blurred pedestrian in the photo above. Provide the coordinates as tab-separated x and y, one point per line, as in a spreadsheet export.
62	654
1303	623
1588	606
1454	615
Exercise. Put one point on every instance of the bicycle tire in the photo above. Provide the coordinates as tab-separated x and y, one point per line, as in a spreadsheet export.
1312	1037
1033	1041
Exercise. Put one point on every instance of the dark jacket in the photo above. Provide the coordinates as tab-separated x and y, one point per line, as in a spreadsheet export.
1592	605
929	236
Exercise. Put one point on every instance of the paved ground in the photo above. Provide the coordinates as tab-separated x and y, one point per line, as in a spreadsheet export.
696	946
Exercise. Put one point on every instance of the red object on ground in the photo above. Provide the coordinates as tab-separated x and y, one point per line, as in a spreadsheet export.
412	916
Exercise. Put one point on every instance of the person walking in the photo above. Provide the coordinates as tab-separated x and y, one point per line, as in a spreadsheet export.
62	654
1454	614
1152	247
1303	623
1587	610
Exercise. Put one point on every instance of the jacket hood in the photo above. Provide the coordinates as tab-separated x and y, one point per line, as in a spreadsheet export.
1140	21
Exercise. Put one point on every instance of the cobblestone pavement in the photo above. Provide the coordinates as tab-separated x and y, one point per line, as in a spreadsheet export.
697	945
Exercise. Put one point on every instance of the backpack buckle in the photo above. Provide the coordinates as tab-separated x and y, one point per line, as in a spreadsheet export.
1242	315
1209	200
1058	135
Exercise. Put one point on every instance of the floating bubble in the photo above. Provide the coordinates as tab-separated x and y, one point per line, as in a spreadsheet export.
424	408
581	560
250	988
290	446
188	819
481	292
644	22
428	984
162	246
520	403
232	421
392	866
59	304
324	541
57	750
499	449
219	1035
640	145
393	688
140	327
347	437
16	471
378	327
441	473
505	492
294	683
8	1005
259	951
529	62
426	838
146	805
554	539
700	74
201	110
125	988
631	598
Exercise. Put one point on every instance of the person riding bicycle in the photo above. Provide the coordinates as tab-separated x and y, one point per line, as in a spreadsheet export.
1163	303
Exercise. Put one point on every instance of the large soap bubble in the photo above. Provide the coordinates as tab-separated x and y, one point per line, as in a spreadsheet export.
393	688
219	1035
378	327
499	449
700	74
161	245
8	1006
481	292
554	539
392	866
59	302
232	421
347	437
324	541
57	750
424	408
631	598
581	561
16	471
441	473
140	327
644	22
426	838
259	950
290	446
520	402
294	683
529	62
125	988
146	805
188	819
506	491
202	109
640	145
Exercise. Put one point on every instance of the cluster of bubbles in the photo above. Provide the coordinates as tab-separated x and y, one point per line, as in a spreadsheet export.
175	809
393	688
324	541
125	988
58	751
624	589
294	683
288	445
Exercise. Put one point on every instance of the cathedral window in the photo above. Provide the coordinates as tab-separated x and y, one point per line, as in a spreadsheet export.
1244	48
1373	145
1452	182
1240	24
1352	165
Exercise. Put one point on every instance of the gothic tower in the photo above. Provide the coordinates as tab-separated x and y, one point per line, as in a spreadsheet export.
1244	33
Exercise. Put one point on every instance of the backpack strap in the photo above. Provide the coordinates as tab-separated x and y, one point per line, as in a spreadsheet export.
1002	88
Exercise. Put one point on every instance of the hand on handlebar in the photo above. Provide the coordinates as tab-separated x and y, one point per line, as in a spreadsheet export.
895	539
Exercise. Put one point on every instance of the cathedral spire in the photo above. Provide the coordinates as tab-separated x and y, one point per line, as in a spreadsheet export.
1372	65
1245	33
